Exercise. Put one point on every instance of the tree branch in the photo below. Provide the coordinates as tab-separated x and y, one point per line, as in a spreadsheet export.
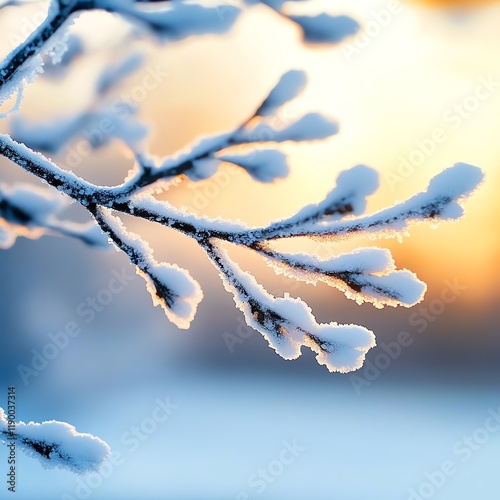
59	12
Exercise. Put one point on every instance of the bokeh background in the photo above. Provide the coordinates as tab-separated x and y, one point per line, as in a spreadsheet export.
380	433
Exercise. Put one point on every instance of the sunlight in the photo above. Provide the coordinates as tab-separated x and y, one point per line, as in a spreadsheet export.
405	94
391	98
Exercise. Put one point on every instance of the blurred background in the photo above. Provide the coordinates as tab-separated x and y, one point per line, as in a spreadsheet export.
380	433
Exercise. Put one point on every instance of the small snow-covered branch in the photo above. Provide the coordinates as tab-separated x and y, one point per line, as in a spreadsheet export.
120	118
288	324
30	211
347	198
174	20
365	275
441	201
170	286
290	85
65	181
310	127
56	444
39	165
319	28
202	159
24	62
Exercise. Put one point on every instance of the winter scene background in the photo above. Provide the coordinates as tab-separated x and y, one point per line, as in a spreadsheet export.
211	412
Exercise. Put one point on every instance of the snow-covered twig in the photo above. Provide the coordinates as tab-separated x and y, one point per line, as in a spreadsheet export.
25	61
55	444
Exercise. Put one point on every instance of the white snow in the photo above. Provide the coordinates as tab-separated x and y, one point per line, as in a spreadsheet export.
39	203
54	135
177	20
310	127
361	181
363	260
203	169
325	28
202	147
24	75
353	186
370	269
263	165
342	347
74	47
119	117
439	202
288	323
63	446
49	137
290	85
184	293
40	208
163	210
30	69
115	74
175	291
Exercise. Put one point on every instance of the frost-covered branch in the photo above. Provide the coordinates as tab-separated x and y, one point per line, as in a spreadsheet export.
55	444
441	201
254	145
25	60
288	323
170	286
29	211
367	274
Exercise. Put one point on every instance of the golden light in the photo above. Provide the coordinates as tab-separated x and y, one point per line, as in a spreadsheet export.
455	3
389	96
390	89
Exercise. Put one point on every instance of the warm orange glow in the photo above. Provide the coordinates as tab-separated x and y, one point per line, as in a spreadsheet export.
455	3
388	96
